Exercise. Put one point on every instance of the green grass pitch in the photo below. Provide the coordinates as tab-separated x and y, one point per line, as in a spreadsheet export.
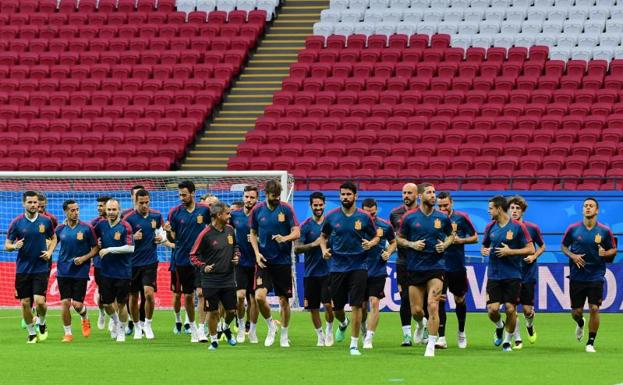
556	358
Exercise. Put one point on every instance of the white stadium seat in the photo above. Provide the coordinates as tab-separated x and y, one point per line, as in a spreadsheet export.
583	3
420	4
552	26
400	4
524	40
468	28
563	3
582	53
482	40
185	5
323	29
462	41
603	53
489	27
609	40
557	14
344	29
518	14
567	40
543	3
531	26
618	53
599	13
359	4
268	6
385	28
433	15
365	28
405	28
206	5
594	26
522	3
614	26
578	13
379	4
503	40
605	3
480	3
448	27
511	27
246	5
392	15
495	14
412	15
439	4
225	5
474	14
586	40
616	13
500	3
452	14
373	16
330	15
338	4
460	4
352	15
572	26
546	39
426	28
558	53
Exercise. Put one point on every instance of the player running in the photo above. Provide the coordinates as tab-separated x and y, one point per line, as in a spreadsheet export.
377	270
32	236
409	199
506	242
427	233
589	245
347	234
78	246
273	229
456	274
316	275
245	270
529	270
215	253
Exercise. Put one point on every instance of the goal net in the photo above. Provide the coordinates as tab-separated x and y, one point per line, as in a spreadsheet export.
86	187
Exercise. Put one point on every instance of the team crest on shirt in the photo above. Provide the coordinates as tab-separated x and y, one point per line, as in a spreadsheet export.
42	228
281	217
598	238
117	236
357	225
379	232
509	235
199	219
230	239
80	235
153	224
258	281
454	227
437	223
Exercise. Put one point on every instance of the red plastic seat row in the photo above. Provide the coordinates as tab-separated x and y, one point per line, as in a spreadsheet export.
534	150
14	127
126	31
115	163
450	97
155	146
85	5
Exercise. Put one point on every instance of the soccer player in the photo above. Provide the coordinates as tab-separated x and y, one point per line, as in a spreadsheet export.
589	245
517	207
350	232
184	224
101	216
245	270
273	229
215	253
43	203
148	233
506	242
116	248
78	246
32	236
124	213
409	199
427	233
208	199
316	276
377	269
455	272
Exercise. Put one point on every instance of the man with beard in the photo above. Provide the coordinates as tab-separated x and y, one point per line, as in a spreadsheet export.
518	207
351	232
316	278
32	236
589	245
409	199
377	269
273	229
101	216
116	248
456	274
245	270
184	224
506	242
427	233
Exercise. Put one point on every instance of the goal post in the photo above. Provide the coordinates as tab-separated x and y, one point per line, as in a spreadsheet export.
85	187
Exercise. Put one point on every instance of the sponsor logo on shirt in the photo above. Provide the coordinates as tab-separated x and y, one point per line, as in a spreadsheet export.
357	225
80	235
509	235
598	238
437	223
117	236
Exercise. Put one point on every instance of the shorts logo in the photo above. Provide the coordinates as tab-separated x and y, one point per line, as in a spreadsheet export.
117	236
437	223
379	232
153	224
42	228
454	226
305	304
509	235
230	239
281	217
357	225
598	238
258	281
80	235
199	219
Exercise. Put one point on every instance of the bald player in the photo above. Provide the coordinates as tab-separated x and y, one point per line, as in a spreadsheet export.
409	199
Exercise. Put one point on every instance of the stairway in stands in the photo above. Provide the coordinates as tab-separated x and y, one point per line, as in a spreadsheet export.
254	89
